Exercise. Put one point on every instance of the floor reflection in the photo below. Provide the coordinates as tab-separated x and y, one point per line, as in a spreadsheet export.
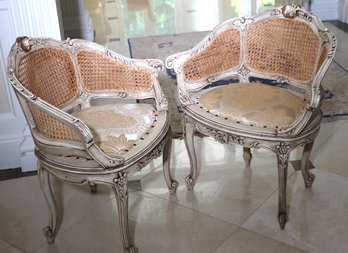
114	21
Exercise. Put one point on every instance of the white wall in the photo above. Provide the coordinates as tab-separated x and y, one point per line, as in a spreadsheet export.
325	9
343	11
17	18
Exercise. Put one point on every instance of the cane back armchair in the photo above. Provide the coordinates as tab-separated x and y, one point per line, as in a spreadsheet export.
79	140
273	63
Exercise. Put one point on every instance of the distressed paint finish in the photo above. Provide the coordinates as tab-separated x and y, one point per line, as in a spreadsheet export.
279	139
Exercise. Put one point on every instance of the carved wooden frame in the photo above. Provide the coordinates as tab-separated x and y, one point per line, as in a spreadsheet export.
95	166
301	133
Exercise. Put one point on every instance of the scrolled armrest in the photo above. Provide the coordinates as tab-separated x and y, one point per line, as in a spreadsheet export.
72	128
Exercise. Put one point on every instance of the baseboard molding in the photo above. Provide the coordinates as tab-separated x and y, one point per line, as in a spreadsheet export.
17	152
10	152
28	162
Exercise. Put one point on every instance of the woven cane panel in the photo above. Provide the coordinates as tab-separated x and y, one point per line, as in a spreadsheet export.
49	73
285	47
51	127
221	55
101	73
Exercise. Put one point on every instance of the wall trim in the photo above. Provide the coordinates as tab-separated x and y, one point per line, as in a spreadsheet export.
9	147
36	18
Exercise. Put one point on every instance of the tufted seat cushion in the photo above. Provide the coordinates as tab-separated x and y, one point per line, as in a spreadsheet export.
253	104
118	128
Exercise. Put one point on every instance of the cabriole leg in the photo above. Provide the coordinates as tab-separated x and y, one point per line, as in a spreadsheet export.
171	183
51	230
283	159
188	136
121	192
308	177
247	156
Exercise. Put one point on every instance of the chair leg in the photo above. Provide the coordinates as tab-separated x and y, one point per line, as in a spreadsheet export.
121	192
171	183
308	177
283	159
51	230
247	156
188	136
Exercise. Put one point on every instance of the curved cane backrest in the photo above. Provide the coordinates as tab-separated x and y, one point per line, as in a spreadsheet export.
49	73
221	55
285	45
52	78
256	82
101	73
80	141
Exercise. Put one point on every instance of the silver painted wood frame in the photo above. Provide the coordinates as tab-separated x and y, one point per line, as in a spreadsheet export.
301	133
92	166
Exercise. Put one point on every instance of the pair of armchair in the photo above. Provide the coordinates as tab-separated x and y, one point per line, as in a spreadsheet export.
82	142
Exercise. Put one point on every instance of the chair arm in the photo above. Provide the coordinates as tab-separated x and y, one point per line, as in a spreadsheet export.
105	73
84	134
175	62
307	113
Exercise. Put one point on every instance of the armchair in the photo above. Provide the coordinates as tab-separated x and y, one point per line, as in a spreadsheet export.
78	140
273	63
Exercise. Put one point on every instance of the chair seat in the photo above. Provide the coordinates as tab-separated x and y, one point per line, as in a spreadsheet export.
118	128
253	104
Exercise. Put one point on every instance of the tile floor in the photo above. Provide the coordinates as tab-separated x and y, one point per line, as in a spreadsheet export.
232	209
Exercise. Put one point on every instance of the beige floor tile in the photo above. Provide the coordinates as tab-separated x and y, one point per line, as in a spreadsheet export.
24	211
341	56
158	226
7	248
332	155
245	241
225	188
327	129
178	146
318	217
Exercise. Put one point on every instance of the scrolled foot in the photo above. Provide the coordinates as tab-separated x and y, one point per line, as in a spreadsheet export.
173	187
310	180
190	183
131	249
50	236
282	219
93	187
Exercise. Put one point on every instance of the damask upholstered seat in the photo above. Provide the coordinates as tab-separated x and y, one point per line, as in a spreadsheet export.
79	99
273	65
253	105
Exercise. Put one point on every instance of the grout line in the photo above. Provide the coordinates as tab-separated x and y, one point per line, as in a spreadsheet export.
273	239
233	232
327	139
340	65
13	245
270	196
190	208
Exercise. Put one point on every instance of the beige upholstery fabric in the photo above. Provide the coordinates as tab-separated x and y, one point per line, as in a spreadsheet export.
253	104
118	127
